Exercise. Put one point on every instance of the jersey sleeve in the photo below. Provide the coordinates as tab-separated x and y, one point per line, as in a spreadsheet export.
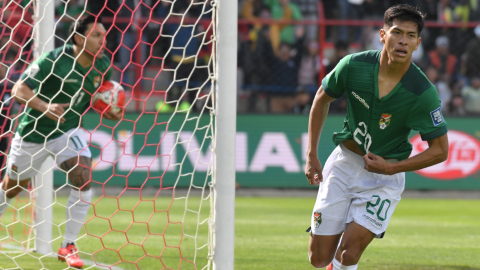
426	116
38	71
335	83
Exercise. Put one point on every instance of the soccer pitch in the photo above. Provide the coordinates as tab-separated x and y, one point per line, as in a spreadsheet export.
270	234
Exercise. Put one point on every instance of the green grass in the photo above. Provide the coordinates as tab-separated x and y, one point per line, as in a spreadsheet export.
270	234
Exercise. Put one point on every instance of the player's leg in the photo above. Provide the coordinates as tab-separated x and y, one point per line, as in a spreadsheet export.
321	249
78	171
9	189
74	158
355	240
330	210
23	163
375	199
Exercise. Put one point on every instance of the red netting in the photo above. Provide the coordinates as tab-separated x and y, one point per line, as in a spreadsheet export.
151	169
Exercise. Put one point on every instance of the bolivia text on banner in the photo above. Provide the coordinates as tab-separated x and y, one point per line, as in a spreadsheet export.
270	152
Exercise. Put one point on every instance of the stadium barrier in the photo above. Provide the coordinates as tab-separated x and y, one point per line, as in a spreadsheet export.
270	153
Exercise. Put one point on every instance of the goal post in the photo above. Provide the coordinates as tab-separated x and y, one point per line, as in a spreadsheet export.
43	183
226	104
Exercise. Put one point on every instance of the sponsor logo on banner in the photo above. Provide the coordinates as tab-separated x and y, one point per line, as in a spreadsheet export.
463	157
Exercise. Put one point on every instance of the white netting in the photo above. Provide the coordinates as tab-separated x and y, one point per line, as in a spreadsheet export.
152	205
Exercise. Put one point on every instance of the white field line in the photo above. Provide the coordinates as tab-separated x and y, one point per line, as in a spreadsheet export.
16	249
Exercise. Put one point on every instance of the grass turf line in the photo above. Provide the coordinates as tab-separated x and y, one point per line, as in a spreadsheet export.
270	234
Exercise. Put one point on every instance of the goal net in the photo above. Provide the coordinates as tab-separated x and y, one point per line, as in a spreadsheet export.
151	172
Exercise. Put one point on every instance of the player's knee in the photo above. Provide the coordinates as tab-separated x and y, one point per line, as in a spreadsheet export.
350	256
319	262
80	178
13	192
83	184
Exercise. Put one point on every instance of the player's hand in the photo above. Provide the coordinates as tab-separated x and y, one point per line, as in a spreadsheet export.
374	163
112	116
313	171
56	110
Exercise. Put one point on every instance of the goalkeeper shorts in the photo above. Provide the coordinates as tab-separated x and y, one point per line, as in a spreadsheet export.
351	193
26	158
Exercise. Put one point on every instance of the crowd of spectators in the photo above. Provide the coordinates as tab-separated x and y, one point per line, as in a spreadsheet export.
447	55
279	63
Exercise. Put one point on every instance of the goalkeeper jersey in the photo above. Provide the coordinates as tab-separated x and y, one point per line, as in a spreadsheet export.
56	77
382	126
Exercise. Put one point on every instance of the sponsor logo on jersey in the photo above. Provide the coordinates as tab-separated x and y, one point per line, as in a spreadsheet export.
437	117
463	157
361	100
317	219
372	220
32	70
96	81
385	120
71	80
14	168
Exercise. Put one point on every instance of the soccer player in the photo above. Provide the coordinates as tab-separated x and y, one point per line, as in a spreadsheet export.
56	90
363	178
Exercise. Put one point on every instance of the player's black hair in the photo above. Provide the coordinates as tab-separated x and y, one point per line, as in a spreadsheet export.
404	13
81	26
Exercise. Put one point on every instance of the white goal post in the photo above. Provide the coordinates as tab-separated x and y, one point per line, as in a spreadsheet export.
43	183
226	109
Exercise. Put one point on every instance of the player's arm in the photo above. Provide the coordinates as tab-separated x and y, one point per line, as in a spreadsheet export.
333	86
436	152
318	114
23	94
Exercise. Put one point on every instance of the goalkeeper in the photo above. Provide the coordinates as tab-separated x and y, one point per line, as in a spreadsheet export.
56	90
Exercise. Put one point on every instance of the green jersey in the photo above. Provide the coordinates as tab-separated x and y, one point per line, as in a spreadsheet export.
382	126
56	77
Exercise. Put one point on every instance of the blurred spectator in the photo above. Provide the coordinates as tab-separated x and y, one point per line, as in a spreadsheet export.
430	8
457	102
309	11
472	55
444	92
17	20
471	96
303	101
283	10
443	60
183	57
285	74
445	11
129	22
341	50
351	10
309	67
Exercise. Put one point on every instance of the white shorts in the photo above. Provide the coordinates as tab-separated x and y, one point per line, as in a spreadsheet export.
351	193
26	158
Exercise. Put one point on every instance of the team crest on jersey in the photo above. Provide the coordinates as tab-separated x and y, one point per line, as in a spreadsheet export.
385	120
14	168
317	219
96	81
